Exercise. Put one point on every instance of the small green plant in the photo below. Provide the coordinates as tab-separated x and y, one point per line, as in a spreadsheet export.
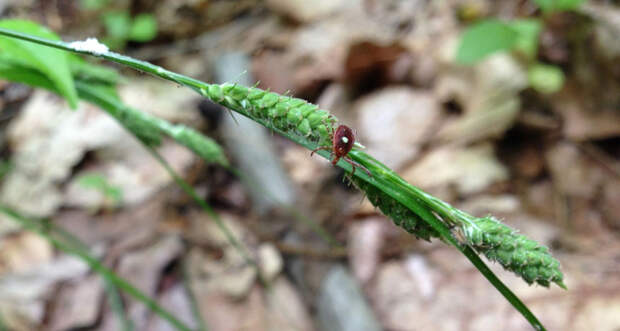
409	207
489	36
120	27
112	194
550	6
93	4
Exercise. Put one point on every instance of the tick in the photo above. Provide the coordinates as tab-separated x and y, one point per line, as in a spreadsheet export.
342	143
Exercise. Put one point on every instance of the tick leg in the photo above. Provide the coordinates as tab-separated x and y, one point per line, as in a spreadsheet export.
320	148
355	165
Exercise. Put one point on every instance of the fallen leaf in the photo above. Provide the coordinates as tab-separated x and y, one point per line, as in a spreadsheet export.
470	169
143	270
77	304
581	178
366	238
285	308
487	94
395	122
23	251
176	301
304	11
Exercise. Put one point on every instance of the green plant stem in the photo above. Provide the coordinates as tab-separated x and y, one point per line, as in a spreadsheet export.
182	135
382	177
187	282
116	304
114	298
97	266
189	190
292	211
113	107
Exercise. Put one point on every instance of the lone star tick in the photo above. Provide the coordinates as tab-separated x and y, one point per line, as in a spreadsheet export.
342	143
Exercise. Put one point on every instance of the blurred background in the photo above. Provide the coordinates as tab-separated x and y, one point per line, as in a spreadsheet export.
524	125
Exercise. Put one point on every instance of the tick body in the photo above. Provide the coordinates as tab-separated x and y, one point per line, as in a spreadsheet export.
342	143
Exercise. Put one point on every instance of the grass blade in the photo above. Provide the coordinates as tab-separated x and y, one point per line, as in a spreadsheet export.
94	264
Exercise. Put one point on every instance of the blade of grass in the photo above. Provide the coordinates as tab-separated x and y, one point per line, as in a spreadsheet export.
382	177
292	211
114	298
116	304
187	283
404	196
115	108
92	95
95	265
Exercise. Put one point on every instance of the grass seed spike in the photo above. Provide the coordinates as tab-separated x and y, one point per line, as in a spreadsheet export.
292	115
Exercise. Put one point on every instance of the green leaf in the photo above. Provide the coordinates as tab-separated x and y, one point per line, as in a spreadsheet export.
51	62
528	31
100	183
93	4
144	28
98	77
545	78
484	38
117	25
96	181
16	72
91	72
549	6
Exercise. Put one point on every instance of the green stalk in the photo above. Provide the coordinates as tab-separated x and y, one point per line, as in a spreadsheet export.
97	266
127	115
202	324
317	228
147	128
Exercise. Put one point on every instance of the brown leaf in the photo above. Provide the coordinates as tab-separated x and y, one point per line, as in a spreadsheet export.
394	122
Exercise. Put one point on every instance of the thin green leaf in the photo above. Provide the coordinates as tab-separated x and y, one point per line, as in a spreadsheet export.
90	72
485	38
96	265
3	327
51	62
17	72
5	168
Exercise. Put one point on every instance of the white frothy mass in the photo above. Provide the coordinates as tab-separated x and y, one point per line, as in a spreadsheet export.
91	45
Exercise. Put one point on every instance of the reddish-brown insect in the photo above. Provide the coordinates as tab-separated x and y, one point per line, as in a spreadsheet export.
342	143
